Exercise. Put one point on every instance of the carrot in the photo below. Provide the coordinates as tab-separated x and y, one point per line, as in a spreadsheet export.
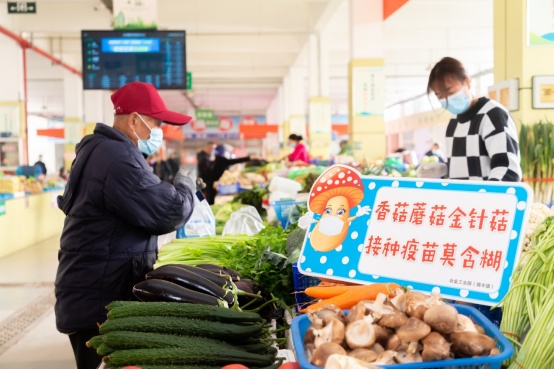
353	296
326	292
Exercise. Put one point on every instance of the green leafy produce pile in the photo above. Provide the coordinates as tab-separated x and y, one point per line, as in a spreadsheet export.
261	258
254	198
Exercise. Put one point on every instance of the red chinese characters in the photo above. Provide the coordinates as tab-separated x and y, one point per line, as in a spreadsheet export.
491	259
469	262
420	213
448	254
429	251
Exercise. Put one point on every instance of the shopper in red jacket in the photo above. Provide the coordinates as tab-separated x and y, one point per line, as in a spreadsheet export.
300	154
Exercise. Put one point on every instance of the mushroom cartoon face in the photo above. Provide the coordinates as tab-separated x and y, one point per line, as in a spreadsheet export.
334	194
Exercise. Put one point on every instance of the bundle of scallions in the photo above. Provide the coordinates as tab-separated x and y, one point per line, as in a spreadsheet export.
536	145
528	308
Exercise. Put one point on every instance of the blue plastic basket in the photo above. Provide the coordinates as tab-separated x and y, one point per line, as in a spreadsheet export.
228	189
301	282
301	323
283	210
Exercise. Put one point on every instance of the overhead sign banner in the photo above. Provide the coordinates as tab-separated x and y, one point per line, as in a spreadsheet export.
540	22
135	14
22	7
457	238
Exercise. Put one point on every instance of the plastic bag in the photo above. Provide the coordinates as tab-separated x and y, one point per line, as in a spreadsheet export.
201	222
432	170
245	221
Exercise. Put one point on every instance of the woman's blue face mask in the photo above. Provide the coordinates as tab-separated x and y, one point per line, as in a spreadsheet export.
457	103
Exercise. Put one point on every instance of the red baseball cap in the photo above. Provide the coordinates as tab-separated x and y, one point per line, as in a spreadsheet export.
143	98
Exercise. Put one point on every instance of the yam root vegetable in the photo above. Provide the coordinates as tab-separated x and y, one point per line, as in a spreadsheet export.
332	331
352	297
435	347
364	354
413	330
469	344
360	333
443	318
322	353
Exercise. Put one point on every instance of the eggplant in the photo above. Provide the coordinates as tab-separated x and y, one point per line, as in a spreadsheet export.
156	290
220	270
190	280
222	281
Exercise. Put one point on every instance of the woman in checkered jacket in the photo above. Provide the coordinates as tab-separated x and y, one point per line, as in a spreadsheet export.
481	138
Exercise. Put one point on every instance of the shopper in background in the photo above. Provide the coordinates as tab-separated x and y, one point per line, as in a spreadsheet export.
41	164
115	208
221	163
203	160
299	156
162	168
345	148
174	165
63	173
435	151
481	140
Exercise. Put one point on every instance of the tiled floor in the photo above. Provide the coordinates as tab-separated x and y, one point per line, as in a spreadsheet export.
26	309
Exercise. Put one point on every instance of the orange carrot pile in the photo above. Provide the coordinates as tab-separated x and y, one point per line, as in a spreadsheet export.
353	295
326	292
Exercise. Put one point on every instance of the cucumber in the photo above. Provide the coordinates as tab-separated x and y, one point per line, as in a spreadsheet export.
95	342
137	340
187	310
104	350
168	366
183	326
196	352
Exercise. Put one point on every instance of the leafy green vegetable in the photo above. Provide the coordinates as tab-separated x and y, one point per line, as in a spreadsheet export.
254	198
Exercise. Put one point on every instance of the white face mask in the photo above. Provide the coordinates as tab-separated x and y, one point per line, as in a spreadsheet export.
331	225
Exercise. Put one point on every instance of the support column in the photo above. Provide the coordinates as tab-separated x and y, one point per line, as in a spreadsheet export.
297	102
98	108
518	54
73	114
319	106
366	79
13	117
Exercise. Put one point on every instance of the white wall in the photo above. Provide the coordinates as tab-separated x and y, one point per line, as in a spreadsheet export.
41	145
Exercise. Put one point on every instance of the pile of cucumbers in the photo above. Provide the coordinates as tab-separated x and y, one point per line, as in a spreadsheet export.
182	335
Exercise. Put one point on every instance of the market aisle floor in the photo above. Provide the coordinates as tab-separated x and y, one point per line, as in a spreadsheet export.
28	335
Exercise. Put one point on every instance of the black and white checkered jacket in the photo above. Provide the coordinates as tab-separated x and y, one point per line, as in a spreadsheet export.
482	144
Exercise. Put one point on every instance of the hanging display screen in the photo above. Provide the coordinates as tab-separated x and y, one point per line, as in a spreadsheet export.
112	59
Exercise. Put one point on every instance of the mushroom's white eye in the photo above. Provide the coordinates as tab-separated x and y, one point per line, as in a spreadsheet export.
328	211
340	212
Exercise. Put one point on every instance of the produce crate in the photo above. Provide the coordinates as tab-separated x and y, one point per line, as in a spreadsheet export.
228	189
283	209
301	323
301	282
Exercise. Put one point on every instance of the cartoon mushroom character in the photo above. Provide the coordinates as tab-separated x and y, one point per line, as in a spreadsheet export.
334	194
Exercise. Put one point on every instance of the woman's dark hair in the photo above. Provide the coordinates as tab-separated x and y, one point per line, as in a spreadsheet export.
295	137
447	66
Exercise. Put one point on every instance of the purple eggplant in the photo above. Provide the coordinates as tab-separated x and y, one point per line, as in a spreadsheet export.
155	290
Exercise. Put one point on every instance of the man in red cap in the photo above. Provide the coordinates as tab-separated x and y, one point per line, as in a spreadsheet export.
115	208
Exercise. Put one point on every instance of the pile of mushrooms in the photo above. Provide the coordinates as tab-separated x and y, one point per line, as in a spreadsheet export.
411	327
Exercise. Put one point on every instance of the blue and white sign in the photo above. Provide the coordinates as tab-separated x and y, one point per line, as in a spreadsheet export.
458	238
